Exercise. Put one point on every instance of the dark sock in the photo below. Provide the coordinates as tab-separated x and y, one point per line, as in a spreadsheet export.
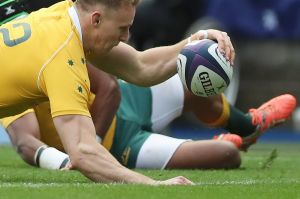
239	123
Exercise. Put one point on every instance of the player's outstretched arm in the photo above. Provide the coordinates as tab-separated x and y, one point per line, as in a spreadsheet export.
93	160
154	65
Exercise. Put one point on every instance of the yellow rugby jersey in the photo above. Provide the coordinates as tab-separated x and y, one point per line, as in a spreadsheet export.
42	58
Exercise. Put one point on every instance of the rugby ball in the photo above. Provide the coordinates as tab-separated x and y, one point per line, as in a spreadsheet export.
203	69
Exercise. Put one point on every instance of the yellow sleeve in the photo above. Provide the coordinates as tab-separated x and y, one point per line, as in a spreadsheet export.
65	81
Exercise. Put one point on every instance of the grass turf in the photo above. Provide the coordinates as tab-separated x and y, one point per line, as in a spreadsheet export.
260	176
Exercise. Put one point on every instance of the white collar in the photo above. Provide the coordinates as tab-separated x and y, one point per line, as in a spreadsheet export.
74	17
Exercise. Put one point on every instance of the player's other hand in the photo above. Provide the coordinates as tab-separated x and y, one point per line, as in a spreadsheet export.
179	180
224	42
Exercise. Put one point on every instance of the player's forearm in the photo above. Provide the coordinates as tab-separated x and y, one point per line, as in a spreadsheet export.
159	64
23	133
88	156
145	68
100	166
26	149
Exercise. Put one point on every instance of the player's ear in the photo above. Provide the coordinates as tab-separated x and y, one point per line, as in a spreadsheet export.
96	17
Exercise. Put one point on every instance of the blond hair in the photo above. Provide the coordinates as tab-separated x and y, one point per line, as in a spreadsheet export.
108	3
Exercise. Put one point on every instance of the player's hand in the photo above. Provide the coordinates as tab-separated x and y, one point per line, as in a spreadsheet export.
224	42
179	180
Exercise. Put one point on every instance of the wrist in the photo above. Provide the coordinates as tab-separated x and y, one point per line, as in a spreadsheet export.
201	34
50	158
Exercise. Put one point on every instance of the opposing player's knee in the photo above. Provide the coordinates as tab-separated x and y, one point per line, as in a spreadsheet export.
232	158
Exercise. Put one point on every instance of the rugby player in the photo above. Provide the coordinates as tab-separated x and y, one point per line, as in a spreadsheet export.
52	47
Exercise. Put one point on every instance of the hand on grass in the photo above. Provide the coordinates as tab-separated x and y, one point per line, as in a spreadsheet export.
179	180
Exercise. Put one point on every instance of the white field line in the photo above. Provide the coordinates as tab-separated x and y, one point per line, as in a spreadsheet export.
42	185
251	182
57	184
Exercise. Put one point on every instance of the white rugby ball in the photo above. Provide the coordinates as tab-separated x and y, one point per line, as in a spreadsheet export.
203	69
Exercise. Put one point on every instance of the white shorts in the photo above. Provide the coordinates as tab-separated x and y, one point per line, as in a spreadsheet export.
167	103
157	151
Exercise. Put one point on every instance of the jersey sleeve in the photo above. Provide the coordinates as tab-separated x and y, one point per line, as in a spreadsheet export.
65	81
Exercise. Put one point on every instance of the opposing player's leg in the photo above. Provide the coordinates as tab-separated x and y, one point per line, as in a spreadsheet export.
163	152
143	109
167	103
136	148
215	111
170	99
271	113
205	154
248	125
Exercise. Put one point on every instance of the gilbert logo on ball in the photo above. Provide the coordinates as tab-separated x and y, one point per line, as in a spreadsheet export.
203	69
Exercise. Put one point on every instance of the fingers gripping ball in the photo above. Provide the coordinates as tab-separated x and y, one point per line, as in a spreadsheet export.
203	69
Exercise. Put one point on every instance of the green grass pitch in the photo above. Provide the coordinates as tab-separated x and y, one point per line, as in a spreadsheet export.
265	173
